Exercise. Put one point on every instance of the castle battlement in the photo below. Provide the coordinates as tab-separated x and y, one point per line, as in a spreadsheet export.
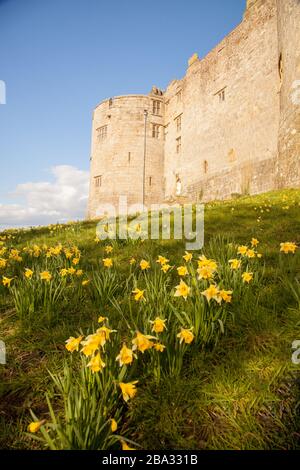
229	126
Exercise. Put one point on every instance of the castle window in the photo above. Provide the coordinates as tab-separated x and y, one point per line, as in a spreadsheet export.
98	181
129	157
155	131
221	95
102	132
150	180
280	67
179	96
178	145
110	102
156	107
178	123
205	166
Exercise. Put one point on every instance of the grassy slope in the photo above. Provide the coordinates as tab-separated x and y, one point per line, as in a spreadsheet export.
241	395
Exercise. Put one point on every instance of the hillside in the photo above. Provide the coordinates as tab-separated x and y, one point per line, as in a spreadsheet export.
214	365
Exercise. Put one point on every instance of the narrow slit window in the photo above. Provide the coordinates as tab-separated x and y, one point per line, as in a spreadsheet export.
98	181
178	145
178	123
155	131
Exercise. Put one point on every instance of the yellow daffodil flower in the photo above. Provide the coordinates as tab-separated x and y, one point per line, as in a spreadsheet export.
247	277
35	426
138	294
96	364
126	356
107	262
159	325
188	256
235	264
28	273
182	290
128	389
45	276
182	270
144	265
186	335
73	343
288	247
142	342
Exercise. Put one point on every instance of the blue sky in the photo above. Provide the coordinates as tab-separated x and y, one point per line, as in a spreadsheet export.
58	59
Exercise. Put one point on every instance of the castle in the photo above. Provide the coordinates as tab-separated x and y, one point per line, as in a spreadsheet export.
230	126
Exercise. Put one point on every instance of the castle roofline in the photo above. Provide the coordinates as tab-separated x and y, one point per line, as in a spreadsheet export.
124	96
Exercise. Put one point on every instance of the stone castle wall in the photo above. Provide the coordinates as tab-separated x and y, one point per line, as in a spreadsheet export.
227	127
117	153
289	55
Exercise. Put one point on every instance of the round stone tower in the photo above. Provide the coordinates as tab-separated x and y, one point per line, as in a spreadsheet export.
289	70
127	153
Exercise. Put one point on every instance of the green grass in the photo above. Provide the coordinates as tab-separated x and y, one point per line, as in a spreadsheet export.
244	393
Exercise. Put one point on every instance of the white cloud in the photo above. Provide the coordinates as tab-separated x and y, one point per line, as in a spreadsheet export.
43	203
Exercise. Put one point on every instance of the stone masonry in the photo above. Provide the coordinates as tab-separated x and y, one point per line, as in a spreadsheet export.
230	126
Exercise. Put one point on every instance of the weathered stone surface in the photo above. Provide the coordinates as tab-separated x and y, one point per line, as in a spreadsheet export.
230	126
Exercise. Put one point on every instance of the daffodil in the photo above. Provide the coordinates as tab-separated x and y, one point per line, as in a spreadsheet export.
6	281
162	260
45	276
132	261
288	247
250	253
182	290
205	272
212	292
125	446
96	364
71	270
107	262
142	342
91	344
28	273
128	389
138	294
254	242
85	282
108	249
235	264
242	250
247	277
226	295
104	334
144	265
102	319
188	256
204	262
73	343
165	268
182	270
159	325
63	272
159	347
35	426
113	425
186	335
125	356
